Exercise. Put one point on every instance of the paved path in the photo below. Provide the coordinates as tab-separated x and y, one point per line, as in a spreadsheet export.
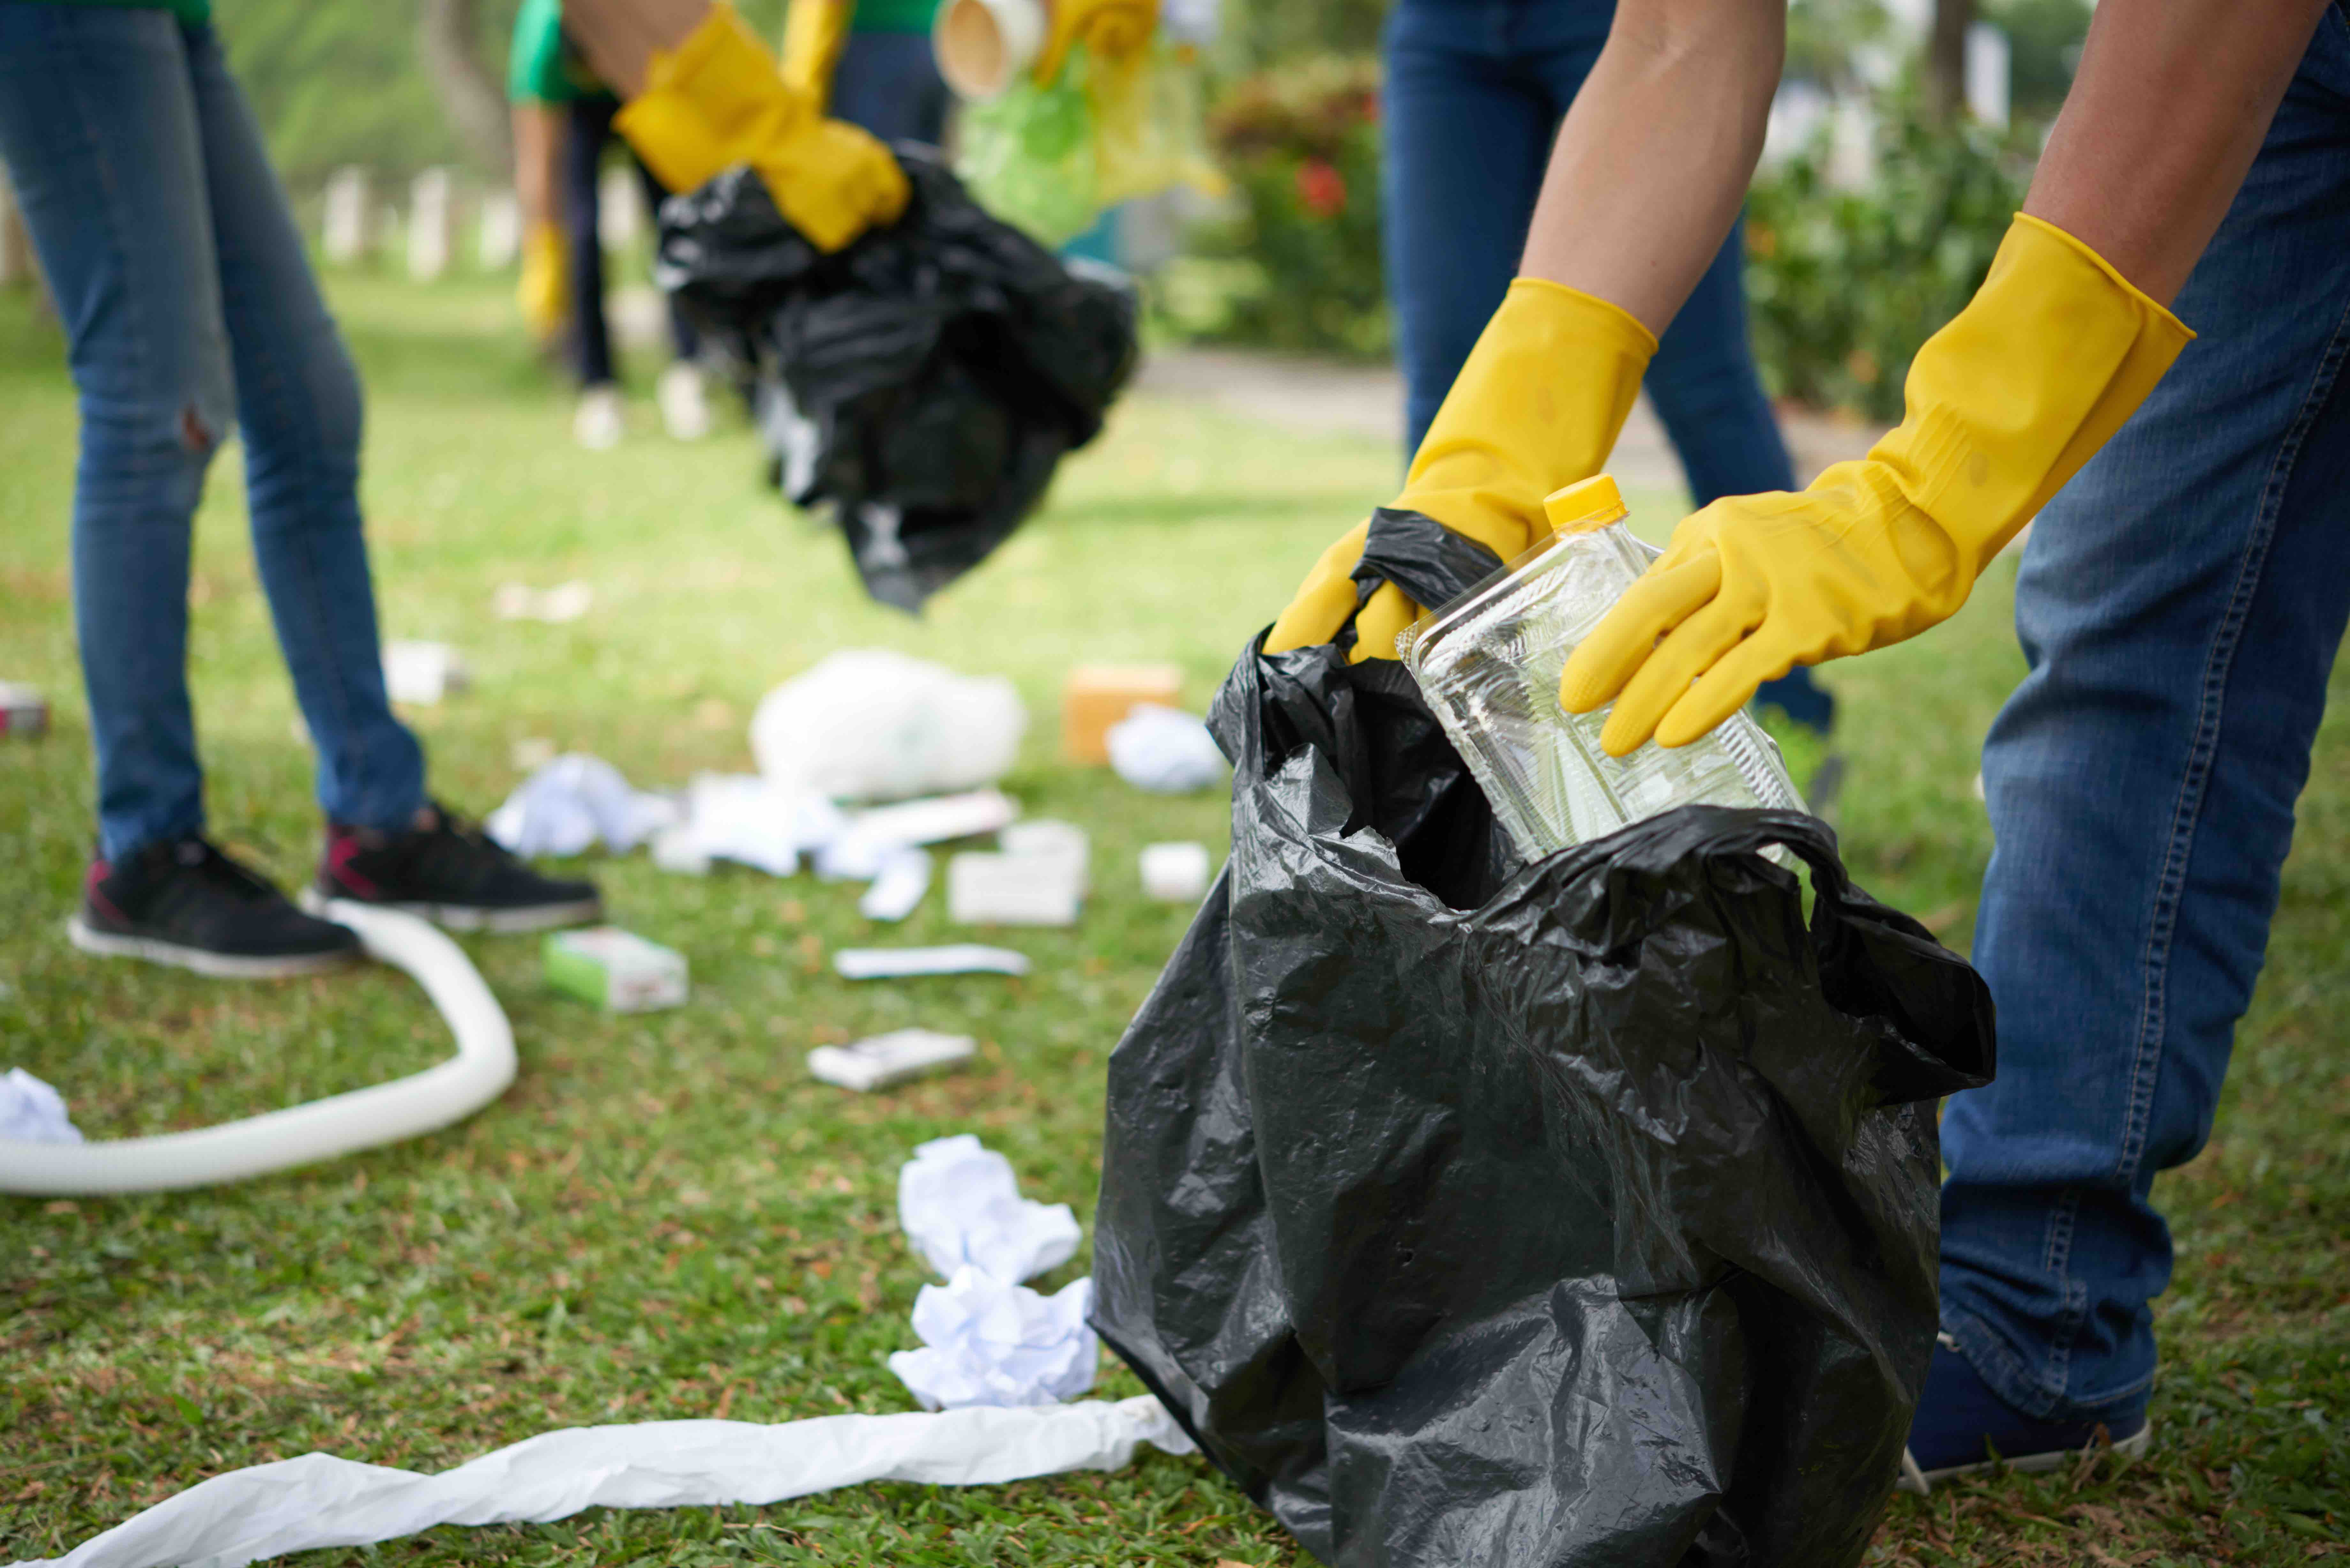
1334	398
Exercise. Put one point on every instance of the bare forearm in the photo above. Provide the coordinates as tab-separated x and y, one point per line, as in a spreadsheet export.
1657	153
2166	114
620	37
538	131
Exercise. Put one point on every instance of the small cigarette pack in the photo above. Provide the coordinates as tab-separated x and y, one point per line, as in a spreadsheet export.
888	1059
618	971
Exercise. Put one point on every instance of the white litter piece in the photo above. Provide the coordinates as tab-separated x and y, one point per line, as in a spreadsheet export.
1165	751
575	802
904	964
422	672
898	886
1062	844
935	819
960	1204
33	1112
871	724
888	1059
318	1500
564	601
994	889
749	819
320	1129
1175	873
679	848
989	1343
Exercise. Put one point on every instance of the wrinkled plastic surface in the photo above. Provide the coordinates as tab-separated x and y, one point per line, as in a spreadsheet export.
1052	157
867	723
1581	1213
317	1501
924	382
1488	665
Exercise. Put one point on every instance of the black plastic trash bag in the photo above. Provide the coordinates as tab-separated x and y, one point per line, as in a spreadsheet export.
925	381
1469	1212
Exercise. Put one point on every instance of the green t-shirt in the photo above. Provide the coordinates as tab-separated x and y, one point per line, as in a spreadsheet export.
895	16
189	11
541	67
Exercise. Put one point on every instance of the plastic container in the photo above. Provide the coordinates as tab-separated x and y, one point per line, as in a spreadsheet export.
1489	664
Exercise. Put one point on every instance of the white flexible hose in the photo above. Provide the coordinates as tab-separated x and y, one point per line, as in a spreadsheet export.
319	1129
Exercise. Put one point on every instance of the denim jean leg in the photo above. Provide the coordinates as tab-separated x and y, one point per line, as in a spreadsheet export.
889	84
299	407
98	124
1468	132
587	131
2181	605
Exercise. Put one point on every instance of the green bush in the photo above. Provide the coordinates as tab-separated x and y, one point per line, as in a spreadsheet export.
1843	286
1297	265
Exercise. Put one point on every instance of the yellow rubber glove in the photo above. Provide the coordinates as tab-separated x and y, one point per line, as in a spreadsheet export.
543	291
814	32
1537	406
2004	404
719	99
1110	28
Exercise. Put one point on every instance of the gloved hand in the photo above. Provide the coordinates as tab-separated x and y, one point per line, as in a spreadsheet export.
543	291
814	32
1537	406
2005	404
1110	28
719	99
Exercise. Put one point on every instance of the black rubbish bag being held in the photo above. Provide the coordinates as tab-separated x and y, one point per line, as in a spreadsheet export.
925	381
1470	1212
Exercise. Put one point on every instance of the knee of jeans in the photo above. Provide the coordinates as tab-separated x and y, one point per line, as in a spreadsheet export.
153	436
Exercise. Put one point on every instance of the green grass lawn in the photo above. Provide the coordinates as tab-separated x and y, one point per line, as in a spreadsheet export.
665	1217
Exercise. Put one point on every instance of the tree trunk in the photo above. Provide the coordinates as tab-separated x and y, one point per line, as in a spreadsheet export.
448	40
1946	59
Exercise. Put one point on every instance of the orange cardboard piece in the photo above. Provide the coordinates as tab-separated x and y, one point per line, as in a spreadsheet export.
1096	696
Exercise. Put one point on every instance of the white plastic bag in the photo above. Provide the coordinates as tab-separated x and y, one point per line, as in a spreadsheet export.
871	724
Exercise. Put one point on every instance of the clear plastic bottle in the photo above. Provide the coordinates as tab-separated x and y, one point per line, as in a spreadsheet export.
1489	664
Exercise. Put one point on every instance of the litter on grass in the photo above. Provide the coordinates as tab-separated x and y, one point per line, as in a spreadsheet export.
617	971
22	711
904	964
867	723
33	1112
898	886
960	1204
563	602
1036	877
1164	750
1175	873
988	1343
422	672
1094	698
575	802
888	1059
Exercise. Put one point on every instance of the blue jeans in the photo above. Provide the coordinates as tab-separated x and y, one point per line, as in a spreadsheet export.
2181	602
586	133
889	84
1474	93
188	304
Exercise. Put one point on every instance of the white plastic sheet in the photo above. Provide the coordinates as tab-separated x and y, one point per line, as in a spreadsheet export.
33	1112
575	802
961	1204
317	1500
1164	750
987	1341
904	964
871	724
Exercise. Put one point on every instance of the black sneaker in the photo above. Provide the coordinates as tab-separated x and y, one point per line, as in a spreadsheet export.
450	872
186	903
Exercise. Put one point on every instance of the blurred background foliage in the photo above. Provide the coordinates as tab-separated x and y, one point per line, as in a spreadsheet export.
1292	261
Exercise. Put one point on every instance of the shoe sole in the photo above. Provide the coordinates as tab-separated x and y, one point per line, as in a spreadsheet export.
1919	1483
202	961
474	918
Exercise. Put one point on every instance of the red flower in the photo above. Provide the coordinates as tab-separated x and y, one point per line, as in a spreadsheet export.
1321	188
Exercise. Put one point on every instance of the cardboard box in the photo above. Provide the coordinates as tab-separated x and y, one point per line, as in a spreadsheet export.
618	971
1096	696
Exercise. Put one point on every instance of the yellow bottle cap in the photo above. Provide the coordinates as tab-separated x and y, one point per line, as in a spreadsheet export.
1590	503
